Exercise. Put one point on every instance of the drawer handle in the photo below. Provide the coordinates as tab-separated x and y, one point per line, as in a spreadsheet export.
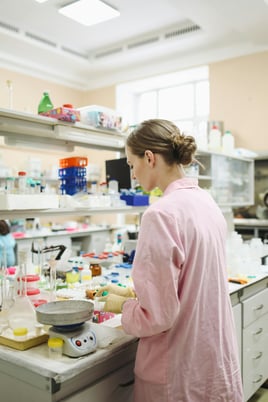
259	355
127	384
258	380
258	332
259	307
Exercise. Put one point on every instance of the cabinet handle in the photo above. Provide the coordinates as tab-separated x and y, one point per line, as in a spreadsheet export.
258	380
259	307
259	355
258	332
127	384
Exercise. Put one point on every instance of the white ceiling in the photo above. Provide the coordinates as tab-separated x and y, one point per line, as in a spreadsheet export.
149	37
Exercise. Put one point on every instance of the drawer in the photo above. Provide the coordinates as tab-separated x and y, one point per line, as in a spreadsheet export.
255	307
255	355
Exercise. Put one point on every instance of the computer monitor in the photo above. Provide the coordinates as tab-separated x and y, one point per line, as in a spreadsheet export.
118	169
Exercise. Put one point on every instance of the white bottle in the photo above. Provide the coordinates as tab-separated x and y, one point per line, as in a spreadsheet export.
214	139
228	143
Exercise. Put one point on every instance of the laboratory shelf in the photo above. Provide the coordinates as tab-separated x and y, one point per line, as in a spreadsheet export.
27	129
29	213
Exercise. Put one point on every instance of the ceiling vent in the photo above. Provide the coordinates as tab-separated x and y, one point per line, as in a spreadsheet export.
144	42
74	52
39	39
8	27
182	31
109	52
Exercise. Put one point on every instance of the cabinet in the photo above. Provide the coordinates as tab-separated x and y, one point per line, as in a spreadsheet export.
250	309
230	179
255	341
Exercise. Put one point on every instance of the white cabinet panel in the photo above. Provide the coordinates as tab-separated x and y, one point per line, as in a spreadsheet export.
116	387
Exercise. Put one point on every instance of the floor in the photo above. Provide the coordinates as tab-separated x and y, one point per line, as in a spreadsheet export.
260	396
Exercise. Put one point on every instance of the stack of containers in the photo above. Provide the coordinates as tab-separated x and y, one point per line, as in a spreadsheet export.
72	175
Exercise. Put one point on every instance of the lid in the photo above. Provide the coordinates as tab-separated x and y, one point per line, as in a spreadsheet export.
55	342
38	302
30	278
20	331
30	292
21	173
65	312
68	105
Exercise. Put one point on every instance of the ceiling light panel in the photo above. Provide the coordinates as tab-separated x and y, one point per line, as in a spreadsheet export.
89	12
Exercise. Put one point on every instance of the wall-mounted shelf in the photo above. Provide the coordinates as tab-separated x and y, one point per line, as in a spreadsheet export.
29	213
27	129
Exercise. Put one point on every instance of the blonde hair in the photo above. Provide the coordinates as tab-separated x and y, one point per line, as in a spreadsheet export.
162	137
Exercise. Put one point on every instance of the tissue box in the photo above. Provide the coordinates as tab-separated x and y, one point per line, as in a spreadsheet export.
28	201
63	113
101	117
135	199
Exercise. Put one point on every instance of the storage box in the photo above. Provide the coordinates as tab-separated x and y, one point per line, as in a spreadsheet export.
101	117
28	201
63	113
135	199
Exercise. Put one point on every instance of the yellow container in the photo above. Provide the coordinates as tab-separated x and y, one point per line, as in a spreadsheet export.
55	347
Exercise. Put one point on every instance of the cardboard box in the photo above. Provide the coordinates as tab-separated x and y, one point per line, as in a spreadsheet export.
63	113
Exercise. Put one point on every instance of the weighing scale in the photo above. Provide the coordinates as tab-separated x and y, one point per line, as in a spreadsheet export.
68	319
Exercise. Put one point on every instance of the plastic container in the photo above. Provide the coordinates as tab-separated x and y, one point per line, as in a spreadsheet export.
214	139
228	143
45	104
20	334
55	348
22	182
75	161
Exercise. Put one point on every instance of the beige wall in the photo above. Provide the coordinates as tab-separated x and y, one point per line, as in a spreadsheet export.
239	97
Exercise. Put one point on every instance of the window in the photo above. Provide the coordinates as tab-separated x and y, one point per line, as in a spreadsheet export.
182	97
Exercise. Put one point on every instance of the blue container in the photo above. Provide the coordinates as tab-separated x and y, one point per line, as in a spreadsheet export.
135	199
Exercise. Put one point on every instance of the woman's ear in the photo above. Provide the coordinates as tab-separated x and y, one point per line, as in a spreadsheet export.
149	156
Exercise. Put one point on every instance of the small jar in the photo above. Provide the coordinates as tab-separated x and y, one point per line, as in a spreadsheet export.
20	334
55	348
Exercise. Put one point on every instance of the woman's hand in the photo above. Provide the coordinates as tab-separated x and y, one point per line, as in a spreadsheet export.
115	290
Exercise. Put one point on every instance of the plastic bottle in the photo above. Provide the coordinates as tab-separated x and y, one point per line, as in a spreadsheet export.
228	143
214	140
45	104
22	182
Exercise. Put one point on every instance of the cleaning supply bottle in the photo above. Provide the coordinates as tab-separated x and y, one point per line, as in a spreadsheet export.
214	141
228	143
45	104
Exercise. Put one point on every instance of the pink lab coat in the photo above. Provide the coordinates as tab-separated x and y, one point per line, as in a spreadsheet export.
187	350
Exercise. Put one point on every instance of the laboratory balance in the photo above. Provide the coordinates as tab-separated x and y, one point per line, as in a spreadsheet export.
69	322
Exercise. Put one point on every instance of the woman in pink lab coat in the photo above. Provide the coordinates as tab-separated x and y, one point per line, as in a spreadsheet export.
187	350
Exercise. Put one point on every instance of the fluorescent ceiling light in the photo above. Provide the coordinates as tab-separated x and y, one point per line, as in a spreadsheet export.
41	1
89	12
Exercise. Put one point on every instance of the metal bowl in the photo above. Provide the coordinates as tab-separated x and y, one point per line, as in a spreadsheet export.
66	312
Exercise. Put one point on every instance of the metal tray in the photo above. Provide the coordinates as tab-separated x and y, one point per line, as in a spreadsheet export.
66	312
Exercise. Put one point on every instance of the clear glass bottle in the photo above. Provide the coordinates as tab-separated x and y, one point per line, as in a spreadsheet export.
45	104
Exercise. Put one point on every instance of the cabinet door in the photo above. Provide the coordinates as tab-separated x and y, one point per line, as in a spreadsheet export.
116	387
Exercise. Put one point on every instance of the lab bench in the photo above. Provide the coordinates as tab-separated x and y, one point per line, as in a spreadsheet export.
107	374
102	376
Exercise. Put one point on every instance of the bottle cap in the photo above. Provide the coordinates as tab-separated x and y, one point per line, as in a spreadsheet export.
55	342
20	331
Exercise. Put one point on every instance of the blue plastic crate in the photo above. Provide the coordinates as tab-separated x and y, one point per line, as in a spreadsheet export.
135	199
